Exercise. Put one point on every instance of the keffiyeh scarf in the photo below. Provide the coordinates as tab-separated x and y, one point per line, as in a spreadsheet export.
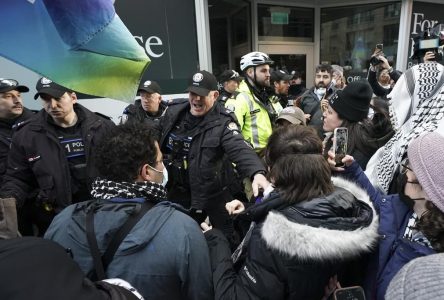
416	106
108	189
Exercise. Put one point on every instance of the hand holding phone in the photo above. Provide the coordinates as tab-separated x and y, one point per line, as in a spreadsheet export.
340	138
349	293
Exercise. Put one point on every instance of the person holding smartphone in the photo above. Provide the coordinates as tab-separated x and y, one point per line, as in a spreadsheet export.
411	221
381	76
349	108
302	233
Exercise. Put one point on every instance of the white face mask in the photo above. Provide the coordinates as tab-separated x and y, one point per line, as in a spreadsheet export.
320	92
165	176
164	173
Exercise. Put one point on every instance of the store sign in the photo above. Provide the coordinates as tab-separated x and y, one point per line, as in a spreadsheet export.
424	15
168	34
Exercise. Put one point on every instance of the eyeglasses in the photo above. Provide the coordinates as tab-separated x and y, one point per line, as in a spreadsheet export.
8	82
404	169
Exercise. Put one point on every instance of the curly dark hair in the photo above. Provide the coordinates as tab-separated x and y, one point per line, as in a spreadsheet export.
124	150
431	224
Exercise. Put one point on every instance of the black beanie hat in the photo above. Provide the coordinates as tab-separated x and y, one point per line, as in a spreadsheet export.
353	101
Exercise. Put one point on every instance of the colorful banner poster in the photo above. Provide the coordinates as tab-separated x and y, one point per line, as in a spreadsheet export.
80	44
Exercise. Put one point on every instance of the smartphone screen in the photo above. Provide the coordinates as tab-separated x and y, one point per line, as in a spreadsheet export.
350	293
340	138
379	46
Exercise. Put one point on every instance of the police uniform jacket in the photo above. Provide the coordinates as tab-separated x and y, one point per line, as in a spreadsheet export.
6	131
136	113
37	160
218	135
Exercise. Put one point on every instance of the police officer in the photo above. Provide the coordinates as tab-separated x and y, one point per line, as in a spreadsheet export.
252	107
197	136
228	84
51	161
149	108
12	114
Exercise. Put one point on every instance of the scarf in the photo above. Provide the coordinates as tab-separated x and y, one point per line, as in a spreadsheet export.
108	189
416	105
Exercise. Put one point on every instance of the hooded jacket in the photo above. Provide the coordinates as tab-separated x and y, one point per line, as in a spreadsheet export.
295	249
164	256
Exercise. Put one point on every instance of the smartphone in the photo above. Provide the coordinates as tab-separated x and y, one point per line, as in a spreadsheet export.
349	293
380	46
340	138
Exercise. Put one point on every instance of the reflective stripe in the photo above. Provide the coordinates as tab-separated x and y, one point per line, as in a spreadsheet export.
254	128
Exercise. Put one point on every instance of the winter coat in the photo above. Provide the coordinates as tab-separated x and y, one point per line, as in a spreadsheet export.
164	256
6	130
217	138
37	160
295	249
136	113
311	104
394	251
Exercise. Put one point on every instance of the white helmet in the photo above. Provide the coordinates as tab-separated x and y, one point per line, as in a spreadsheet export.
253	59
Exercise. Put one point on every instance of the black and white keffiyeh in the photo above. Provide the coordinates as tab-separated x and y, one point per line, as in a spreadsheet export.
107	189
416	106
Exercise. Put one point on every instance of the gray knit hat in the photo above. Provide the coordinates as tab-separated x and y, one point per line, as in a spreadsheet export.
420	279
425	156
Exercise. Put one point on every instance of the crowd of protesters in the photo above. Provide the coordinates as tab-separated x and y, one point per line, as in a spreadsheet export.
235	192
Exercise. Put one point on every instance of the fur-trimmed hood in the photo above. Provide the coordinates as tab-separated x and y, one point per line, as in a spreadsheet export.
294	238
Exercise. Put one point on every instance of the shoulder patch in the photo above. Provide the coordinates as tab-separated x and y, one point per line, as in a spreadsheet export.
230	108
233	126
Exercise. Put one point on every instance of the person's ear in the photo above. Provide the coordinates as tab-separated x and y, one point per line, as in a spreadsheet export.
146	173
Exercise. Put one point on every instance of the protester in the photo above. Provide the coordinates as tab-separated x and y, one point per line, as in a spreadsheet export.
164	254
50	164
411	222
297	86
34	268
149	108
415	107
349	108
310	101
338	77
302	232
291	115
252	107
228	84
12	115
382	77
197	137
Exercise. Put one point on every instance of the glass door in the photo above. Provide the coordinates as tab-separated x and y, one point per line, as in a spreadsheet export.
292	57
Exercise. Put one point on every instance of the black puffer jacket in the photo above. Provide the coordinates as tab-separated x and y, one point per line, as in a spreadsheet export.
295	249
37	160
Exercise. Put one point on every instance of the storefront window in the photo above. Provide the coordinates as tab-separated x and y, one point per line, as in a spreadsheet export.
230	33
281	23
349	35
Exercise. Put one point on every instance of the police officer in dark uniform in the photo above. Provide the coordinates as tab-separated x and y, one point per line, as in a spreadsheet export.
150	108
12	114
197	135
228	83
52	155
